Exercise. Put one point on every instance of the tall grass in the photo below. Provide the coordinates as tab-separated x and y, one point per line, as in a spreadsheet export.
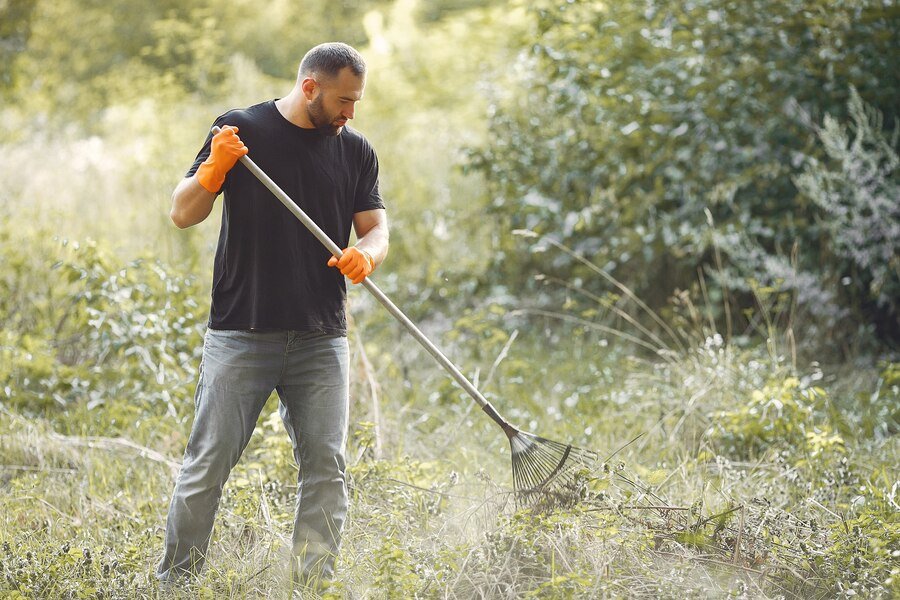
752	475
739	466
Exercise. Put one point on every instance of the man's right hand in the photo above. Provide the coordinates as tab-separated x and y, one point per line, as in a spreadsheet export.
226	149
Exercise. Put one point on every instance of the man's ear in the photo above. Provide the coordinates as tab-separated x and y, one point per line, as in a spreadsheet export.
309	87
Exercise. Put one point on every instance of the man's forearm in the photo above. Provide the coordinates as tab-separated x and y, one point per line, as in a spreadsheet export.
375	243
191	203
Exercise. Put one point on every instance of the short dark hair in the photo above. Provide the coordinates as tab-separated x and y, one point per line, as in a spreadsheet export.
328	59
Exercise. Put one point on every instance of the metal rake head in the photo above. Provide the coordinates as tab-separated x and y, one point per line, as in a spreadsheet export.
548	474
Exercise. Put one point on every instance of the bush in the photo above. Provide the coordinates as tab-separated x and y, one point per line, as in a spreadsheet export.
94	332
857	186
783	415
654	137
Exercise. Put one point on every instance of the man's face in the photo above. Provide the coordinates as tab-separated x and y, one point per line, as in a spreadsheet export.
334	101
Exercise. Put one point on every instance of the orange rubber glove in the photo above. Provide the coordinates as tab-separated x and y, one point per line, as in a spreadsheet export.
356	264
225	150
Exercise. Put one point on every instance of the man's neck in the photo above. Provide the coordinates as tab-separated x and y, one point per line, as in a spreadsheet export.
293	108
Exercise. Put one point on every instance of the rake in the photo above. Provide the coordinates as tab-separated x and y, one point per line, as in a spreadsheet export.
545	473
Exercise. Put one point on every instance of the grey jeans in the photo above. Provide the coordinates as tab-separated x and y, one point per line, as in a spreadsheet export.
238	372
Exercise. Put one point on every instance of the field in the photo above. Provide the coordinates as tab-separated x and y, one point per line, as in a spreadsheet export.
662	232
732	470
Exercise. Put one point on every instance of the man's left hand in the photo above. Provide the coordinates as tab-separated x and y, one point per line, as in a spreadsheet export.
355	264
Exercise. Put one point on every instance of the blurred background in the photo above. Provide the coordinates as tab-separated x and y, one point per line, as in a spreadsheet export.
750	146
616	217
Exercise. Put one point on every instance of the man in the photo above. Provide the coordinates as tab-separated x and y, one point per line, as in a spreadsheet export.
277	318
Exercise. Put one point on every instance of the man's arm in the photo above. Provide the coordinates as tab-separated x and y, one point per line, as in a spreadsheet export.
371	247
193	198
372	233
191	203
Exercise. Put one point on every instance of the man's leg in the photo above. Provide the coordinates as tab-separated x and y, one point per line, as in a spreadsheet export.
314	395
238	372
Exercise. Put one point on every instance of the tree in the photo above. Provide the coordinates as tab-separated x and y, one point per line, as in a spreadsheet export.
15	29
72	60
634	126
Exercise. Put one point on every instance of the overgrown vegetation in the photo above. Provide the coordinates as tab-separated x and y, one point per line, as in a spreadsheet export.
664	233
661	137
752	475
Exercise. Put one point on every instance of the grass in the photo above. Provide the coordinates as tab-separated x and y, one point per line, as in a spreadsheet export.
713	500
758	473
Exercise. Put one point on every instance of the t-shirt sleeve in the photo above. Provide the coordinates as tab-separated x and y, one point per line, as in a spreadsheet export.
367	195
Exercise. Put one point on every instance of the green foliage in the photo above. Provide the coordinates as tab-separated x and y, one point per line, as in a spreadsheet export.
862	550
645	136
650	138
394	574
422	107
67	571
187	55
15	28
880	409
781	415
420	528
94	332
277	38
857	186
164	51
70	71
269	455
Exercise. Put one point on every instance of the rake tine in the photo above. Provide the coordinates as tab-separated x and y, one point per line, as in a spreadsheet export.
530	473
557	468
545	469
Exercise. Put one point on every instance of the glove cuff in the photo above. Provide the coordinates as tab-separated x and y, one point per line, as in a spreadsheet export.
209	177
368	258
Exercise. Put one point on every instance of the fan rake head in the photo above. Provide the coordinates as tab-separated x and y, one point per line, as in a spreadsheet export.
548	474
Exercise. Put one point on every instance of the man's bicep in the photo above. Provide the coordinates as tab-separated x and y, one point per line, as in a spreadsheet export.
366	220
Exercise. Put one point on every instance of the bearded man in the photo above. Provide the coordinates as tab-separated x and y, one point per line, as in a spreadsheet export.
278	317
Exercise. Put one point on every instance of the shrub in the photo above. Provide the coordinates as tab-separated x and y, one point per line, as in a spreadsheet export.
857	187
653	137
93	332
781	415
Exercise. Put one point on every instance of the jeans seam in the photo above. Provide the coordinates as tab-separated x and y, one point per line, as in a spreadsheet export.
284	356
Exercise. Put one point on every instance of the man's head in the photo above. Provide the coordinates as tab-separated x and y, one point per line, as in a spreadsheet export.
332	78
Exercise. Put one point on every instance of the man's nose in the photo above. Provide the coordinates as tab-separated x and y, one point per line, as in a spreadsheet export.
347	113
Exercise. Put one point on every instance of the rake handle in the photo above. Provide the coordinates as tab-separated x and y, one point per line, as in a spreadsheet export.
374	290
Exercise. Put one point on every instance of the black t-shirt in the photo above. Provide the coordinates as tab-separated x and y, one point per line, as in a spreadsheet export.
270	272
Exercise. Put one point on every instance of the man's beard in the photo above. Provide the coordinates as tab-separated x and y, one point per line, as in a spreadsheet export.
320	120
